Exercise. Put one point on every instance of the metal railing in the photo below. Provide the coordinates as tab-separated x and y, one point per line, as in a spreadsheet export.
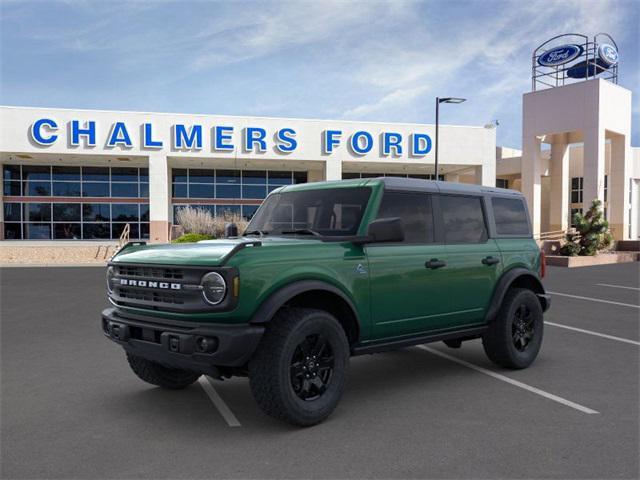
124	236
553	234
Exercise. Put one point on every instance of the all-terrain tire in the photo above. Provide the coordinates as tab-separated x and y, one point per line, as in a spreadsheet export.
275	370
157	374
504	341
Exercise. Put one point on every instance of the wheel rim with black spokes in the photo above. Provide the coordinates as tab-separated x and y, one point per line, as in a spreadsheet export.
522	328
312	367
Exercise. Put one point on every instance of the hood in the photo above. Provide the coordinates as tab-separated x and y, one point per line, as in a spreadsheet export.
205	253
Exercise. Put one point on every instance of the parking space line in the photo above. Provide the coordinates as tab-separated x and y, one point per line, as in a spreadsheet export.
617	286
511	381
217	400
603	335
595	299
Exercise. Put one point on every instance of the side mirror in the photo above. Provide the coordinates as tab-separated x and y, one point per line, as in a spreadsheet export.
386	230
230	230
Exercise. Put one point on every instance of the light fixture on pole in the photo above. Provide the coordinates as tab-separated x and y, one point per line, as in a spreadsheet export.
438	102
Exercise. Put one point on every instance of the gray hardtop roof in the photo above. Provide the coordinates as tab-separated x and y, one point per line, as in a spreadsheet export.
418	185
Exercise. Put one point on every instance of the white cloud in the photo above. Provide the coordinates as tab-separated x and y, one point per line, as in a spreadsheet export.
488	55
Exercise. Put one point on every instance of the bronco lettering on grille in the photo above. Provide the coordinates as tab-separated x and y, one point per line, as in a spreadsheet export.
150	284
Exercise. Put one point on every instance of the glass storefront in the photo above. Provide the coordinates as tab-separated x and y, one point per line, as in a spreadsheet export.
210	188
114	197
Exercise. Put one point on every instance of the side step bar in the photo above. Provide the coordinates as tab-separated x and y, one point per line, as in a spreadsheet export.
463	334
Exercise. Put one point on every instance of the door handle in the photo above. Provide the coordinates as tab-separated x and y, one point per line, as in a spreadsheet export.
490	260
435	263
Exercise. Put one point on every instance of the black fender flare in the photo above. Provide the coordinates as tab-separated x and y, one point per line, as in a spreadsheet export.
506	280
276	300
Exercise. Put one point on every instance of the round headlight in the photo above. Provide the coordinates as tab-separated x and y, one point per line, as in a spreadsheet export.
111	272
214	288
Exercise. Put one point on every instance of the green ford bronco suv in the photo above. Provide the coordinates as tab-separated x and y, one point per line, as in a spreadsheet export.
329	270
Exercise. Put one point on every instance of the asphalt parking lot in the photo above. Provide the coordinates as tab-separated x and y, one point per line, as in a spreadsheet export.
71	408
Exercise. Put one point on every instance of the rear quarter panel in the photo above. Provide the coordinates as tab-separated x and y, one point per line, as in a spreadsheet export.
519	252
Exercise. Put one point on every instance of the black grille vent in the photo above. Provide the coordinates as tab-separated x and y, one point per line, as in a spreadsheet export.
157	297
149	272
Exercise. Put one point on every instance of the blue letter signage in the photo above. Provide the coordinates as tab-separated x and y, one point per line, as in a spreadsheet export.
89	132
358	146
391	140
330	139
190	140
286	140
255	136
37	134
147	138
420	144
119	136
222	135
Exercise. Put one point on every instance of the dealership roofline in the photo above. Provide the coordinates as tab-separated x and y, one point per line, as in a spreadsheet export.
238	116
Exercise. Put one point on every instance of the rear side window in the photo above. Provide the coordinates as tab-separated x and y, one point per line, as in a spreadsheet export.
415	211
463	219
511	216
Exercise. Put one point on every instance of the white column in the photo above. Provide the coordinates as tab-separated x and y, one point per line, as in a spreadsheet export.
333	169
531	172
159	198
618	188
486	174
559	205
593	166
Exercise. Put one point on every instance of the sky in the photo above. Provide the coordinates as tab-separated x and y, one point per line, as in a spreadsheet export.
351	60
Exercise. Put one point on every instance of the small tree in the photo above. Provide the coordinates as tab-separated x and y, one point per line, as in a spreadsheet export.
591	235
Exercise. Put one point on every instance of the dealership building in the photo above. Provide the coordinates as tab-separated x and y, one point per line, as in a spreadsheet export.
86	174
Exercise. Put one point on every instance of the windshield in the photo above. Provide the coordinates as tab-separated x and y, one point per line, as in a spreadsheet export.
325	212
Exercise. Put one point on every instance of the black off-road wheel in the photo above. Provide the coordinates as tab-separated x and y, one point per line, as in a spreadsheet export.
160	375
514	337
299	370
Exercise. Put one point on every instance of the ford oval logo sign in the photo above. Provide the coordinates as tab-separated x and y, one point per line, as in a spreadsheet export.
608	54
560	55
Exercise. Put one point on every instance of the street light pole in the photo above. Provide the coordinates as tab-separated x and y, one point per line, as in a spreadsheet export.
438	102
437	142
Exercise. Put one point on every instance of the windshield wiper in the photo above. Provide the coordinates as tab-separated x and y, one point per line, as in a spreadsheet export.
302	231
256	232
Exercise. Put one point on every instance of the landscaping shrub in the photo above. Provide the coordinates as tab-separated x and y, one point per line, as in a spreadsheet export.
196	220
192	238
200	221
591	233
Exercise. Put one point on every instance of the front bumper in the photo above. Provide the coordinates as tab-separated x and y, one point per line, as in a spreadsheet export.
181	345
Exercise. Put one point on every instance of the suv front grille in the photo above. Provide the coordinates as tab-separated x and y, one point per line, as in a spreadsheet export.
152	287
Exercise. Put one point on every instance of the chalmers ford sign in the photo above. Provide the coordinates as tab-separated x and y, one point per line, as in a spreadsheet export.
45	132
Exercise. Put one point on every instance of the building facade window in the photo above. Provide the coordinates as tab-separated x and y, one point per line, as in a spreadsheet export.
576	189
223	191
77	203
502	183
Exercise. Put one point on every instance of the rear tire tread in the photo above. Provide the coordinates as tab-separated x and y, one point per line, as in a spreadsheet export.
497	341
